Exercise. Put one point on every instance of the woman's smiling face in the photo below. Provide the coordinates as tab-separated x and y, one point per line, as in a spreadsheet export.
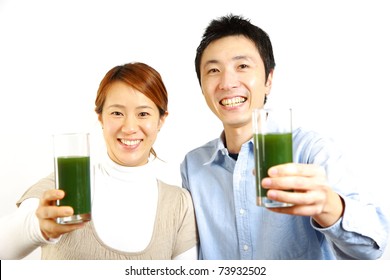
131	122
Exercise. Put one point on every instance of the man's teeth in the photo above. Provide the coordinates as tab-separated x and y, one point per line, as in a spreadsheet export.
130	142
233	101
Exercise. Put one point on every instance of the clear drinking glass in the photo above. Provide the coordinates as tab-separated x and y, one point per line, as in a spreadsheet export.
272	133
73	175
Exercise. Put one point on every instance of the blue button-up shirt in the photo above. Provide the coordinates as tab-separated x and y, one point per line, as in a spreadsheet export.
232	226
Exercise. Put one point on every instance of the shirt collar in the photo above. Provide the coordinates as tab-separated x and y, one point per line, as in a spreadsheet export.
220	147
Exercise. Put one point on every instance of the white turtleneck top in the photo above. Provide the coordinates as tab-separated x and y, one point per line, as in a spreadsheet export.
123	194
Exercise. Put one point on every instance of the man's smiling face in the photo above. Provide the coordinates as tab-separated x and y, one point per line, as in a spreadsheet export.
233	80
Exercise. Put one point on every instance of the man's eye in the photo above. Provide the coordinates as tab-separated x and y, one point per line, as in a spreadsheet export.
243	66
213	70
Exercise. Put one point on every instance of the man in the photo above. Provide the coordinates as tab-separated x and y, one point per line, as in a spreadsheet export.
235	64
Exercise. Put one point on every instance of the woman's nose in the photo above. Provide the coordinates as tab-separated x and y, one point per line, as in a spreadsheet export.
130	125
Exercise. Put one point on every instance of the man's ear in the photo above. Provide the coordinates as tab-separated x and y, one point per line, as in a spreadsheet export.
268	83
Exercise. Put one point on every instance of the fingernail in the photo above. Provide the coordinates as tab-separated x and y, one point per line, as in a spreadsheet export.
273	171
271	194
266	182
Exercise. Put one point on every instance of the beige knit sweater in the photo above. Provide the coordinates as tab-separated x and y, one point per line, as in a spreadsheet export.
174	230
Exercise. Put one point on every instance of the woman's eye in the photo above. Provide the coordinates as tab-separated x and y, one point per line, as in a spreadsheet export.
143	114
115	113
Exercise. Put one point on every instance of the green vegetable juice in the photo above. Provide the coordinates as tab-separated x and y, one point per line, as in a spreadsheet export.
272	149
74	179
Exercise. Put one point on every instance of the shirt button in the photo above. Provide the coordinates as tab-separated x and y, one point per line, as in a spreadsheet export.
246	248
242	211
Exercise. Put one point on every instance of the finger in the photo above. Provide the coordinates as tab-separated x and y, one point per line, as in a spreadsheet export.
296	198
297	210
51	195
295	169
288	183
53	212
53	230
304	204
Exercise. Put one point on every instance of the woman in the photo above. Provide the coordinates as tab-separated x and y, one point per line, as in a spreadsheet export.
134	214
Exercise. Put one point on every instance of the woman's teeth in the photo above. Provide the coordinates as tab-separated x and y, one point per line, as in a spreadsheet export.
130	142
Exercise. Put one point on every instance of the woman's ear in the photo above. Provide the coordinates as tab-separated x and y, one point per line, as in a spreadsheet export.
162	120
100	119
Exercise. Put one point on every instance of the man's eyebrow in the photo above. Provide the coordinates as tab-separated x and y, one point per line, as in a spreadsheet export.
211	61
238	57
245	57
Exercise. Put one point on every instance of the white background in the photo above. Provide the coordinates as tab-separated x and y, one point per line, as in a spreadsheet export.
332	68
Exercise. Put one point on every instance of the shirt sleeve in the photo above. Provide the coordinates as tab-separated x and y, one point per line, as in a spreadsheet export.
362	232
21	234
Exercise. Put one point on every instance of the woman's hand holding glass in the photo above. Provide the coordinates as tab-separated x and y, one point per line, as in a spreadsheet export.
48	212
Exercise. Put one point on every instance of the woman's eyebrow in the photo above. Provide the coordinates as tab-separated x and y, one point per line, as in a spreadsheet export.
115	106
123	107
144	107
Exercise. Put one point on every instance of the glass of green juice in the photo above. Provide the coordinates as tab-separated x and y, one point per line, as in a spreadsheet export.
73	175
272	136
